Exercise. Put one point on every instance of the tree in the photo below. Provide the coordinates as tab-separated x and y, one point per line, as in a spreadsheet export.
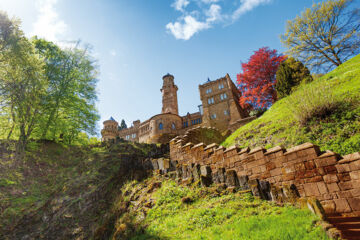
71	95
325	35
122	125
256	82
290	74
22	81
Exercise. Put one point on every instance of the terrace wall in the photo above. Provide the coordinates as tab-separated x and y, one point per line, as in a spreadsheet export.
332	179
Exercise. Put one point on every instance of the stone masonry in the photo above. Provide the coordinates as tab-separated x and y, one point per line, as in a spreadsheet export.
220	109
302	171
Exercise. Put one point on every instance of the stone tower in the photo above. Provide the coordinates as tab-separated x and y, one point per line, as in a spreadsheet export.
110	130
169	95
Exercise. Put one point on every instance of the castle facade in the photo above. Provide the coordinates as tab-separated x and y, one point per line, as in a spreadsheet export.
220	109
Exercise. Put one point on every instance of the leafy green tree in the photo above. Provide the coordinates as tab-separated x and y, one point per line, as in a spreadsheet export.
22	80
122	125
71	95
325	35
290	74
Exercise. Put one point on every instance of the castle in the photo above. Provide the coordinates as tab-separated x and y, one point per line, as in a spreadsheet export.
220	109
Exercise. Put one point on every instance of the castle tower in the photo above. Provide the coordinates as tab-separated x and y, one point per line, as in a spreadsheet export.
169	95
110	130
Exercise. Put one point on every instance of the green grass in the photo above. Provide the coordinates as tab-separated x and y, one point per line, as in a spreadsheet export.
338	131
228	216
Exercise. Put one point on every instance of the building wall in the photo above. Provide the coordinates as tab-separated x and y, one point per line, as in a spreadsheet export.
227	109
220	101
169	95
110	130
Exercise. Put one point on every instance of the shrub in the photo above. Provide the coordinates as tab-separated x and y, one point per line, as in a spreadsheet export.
290	74
313	102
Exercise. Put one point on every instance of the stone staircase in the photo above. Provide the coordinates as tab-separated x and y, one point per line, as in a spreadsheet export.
348	226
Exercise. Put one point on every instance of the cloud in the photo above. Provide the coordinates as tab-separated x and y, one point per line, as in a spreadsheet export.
180	5
246	6
206	17
48	24
209	1
187	29
187	26
213	13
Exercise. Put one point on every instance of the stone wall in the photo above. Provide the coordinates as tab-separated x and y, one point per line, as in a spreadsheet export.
276	173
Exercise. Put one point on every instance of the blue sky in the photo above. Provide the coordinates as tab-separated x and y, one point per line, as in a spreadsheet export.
136	42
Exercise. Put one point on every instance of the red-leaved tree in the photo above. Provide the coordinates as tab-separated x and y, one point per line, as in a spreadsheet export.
257	81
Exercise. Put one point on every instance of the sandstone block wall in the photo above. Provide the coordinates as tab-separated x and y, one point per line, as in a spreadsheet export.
302	170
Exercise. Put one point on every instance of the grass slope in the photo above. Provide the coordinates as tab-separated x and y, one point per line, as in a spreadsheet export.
63	192
338	130
212	214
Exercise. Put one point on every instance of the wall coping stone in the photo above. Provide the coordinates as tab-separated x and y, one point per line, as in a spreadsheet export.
211	146
179	141
198	145
329	153
274	149
230	149
350	158
299	148
257	149
220	148
188	144
244	150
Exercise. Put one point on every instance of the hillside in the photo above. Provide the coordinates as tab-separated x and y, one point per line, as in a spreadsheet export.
62	192
300	117
104	192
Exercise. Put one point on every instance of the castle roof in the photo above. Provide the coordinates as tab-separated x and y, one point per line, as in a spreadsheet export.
112	119
167	75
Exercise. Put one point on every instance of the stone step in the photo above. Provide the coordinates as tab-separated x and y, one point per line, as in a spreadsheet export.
348	226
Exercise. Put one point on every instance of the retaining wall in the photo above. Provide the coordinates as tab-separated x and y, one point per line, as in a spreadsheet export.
303	170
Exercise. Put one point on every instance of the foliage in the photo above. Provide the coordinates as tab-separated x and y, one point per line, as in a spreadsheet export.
338	131
22	81
71	93
122	125
257	81
290	74
325	35
212	215
45	91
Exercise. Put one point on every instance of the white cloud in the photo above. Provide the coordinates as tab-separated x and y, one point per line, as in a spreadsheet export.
187	26
247	5
190	23
180	5
187	29
48	24
213	13
209	1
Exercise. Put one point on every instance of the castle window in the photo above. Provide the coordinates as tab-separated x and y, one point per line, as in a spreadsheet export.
213	116
133	135
221	86
211	100
173	126
127	137
185	124
223	96
161	126
209	90
226	112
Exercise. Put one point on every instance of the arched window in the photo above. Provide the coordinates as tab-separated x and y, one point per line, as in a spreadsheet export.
161	126
173	126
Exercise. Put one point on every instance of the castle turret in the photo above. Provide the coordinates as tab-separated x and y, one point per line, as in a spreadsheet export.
169	95
110	130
